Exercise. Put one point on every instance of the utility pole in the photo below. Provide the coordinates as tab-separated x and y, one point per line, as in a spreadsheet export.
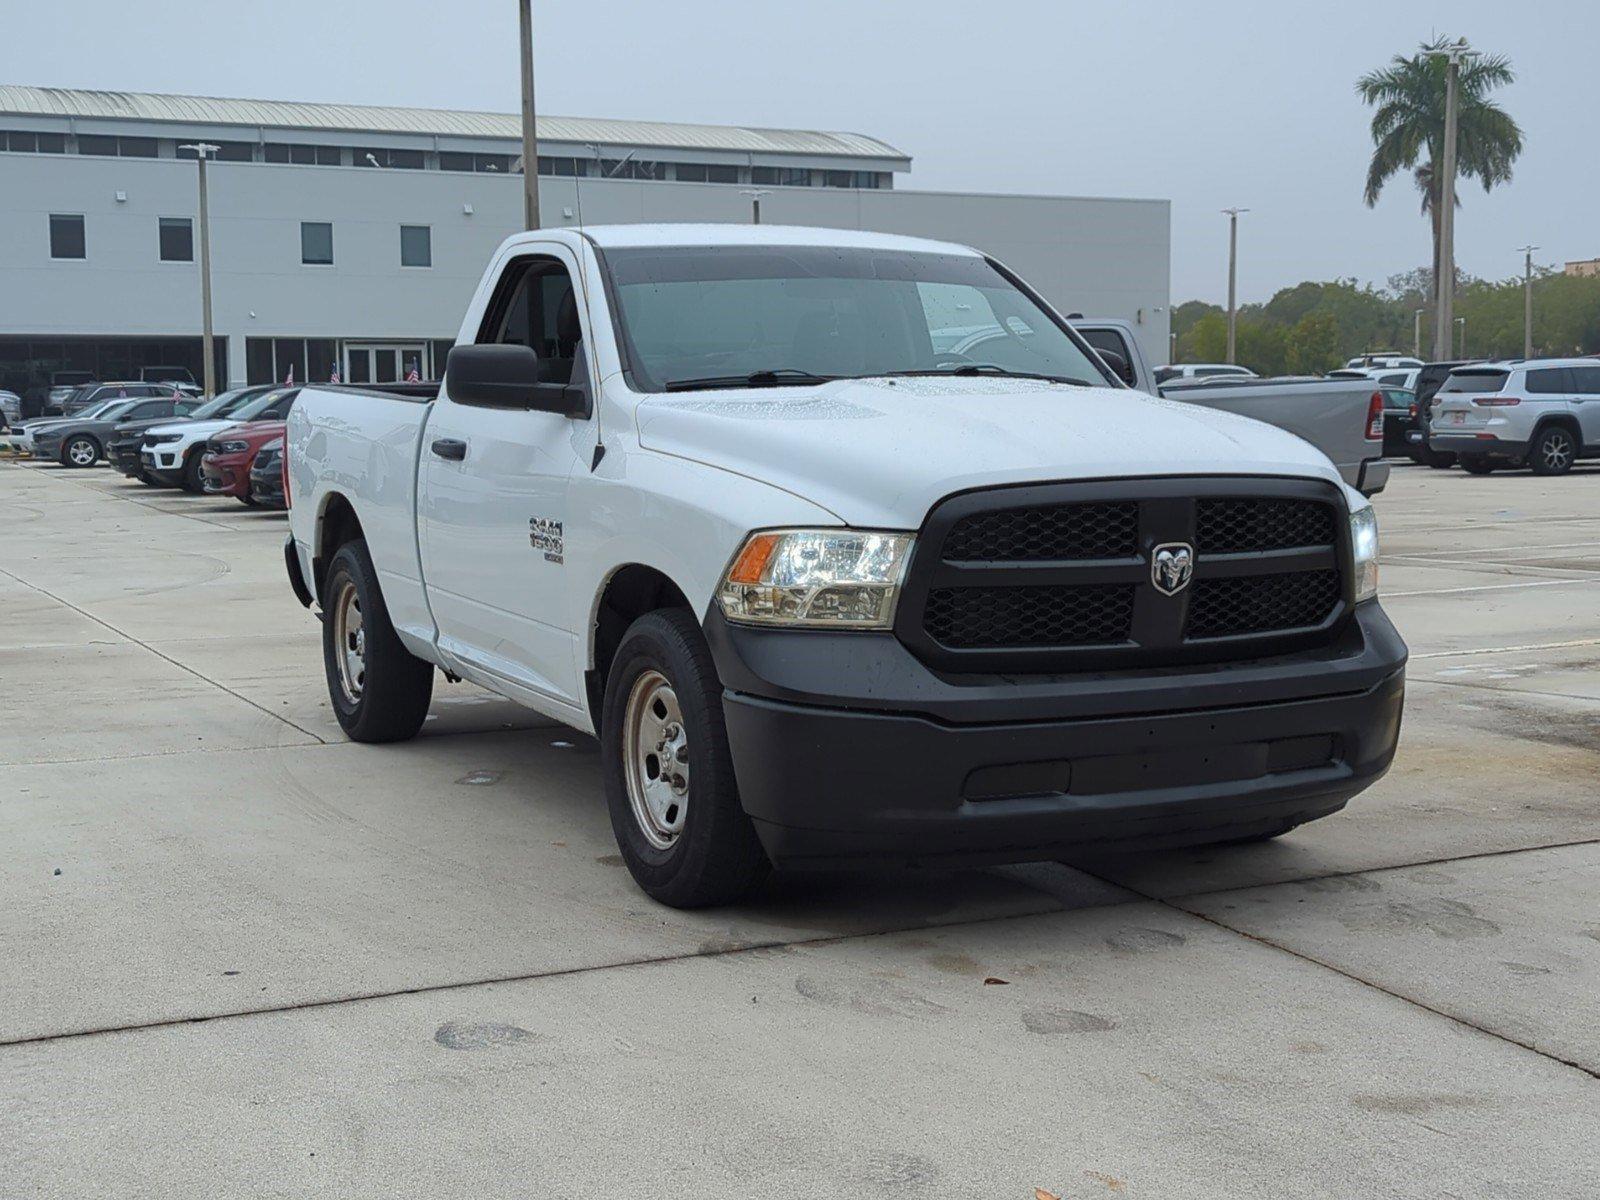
1445	284
530	142
1233	278
1461	345
1527	299
207	342
755	195
1416	333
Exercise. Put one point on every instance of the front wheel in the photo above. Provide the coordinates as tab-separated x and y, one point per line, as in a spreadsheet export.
193	479
668	773
380	690
1553	452
80	451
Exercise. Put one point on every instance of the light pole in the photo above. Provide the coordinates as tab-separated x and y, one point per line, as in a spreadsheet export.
1416	333
1461	344
755	195
1172	346
1445	283
209	365
1233	277
1527	299
530	142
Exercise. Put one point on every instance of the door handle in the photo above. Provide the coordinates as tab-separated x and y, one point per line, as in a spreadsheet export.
451	448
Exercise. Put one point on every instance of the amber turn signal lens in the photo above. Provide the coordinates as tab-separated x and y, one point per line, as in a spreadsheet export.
753	558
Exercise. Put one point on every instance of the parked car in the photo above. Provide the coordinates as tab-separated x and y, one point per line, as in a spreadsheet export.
128	437
158	374
172	453
1401	377
91	394
62	385
22	436
1543	413
266	476
80	441
826	593
1199	371
1430	378
229	454
1384	358
1399	419
1343	418
10	410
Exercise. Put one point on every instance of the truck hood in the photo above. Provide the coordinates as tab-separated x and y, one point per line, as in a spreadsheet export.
880	454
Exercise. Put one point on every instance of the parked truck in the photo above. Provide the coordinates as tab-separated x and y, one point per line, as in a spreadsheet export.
829	591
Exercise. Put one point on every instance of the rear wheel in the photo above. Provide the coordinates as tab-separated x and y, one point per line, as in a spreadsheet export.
1553	451
80	451
1474	464
380	690
668	773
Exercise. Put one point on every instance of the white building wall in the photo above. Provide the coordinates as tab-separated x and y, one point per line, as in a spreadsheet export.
1097	256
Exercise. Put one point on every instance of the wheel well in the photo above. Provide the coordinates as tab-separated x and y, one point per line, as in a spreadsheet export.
629	594
339	524
1565	420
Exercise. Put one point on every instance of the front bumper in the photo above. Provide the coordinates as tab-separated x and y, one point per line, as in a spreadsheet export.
226	474
847	748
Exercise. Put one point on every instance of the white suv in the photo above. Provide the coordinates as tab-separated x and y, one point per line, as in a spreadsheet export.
1543	413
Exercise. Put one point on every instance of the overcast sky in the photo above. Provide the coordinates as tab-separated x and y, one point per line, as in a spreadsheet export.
1232	102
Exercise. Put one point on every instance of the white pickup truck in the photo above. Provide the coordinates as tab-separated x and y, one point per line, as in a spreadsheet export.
828	591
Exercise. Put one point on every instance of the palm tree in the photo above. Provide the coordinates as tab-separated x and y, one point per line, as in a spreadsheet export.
1409	125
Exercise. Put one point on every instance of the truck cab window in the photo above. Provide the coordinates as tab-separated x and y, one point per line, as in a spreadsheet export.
536	306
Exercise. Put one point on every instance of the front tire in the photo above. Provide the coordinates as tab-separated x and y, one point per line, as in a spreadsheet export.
1553	452
193	480
80	451
379	689
668	773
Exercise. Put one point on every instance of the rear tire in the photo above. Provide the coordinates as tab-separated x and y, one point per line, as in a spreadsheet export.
1474	465
1553	451
379	689
686	846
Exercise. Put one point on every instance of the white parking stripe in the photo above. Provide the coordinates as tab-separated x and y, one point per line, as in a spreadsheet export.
1510	649
1490	587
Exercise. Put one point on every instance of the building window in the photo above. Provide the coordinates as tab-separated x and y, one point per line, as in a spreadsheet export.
137	147
226	152
316	243
416	246
562	166
782	176
94	143
66	235
22	141
497	164
301	154
177	239
410	160
707	173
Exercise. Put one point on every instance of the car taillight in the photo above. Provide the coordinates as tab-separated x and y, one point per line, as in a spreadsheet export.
1496	401
1411	412
1375	417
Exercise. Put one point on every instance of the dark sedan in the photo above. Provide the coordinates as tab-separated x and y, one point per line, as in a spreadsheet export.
266	476
80	441
123	448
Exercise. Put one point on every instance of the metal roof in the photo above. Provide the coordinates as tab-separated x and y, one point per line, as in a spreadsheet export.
288	114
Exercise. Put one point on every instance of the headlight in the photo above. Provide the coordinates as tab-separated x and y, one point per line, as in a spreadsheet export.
1364	544
833	578
161	439
232	447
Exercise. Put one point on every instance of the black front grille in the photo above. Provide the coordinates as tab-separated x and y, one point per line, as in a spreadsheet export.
1030	616
1261	603
1235	526
1060	532
1059	576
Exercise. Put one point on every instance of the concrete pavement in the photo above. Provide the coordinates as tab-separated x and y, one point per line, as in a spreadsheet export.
274	962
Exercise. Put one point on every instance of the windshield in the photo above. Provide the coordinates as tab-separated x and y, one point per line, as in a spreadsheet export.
260	405
222	405
99	410
1476	381
769	315
108	412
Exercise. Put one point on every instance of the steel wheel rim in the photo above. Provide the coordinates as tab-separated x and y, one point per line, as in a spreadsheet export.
655	751
1557	451
350	643
81	453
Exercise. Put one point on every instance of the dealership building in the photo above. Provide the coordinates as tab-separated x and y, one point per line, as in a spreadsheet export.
349	238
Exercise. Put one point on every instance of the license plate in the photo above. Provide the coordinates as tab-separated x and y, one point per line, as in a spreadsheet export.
1458	418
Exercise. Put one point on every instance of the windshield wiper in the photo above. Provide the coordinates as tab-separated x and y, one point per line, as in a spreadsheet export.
779	377
991	369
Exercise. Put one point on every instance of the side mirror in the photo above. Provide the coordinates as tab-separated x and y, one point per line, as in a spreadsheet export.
507	376
1120	367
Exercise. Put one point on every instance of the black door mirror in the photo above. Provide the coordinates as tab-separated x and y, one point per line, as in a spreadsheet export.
507	376
1120	367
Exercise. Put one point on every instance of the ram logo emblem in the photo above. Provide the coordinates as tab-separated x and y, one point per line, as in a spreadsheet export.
1172	567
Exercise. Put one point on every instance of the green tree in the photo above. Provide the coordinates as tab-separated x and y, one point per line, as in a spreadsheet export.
1312	344
1408	126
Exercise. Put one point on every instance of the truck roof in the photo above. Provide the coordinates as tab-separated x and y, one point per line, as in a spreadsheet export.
756	235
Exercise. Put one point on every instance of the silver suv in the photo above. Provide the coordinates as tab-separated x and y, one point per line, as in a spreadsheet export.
1543	413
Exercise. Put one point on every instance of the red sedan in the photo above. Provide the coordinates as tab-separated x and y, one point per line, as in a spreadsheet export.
225	468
